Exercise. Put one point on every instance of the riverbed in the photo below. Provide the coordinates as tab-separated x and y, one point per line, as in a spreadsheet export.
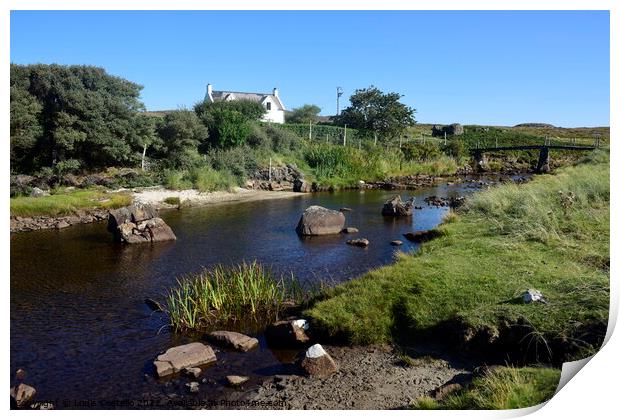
81	330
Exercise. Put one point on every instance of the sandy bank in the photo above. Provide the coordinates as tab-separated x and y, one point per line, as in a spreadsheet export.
156	196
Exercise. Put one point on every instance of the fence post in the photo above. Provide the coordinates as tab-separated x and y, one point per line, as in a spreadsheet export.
269	169
310	134
344	140
400	141
445	138
375	138
327	138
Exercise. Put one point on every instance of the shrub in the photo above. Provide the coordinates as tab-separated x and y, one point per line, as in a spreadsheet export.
173	201
176	180
421	151
206	179
240	161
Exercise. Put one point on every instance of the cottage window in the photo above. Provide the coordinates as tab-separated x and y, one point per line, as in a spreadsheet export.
268	106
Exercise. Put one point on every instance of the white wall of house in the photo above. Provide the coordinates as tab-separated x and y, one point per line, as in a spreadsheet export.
274	114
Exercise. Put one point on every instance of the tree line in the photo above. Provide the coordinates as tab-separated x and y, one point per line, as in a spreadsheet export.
80	118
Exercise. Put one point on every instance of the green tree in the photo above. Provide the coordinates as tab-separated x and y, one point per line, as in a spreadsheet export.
229	122
372	110
84	115
304	115
25	128
182	133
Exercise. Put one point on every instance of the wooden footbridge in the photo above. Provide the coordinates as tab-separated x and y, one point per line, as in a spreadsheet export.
543	158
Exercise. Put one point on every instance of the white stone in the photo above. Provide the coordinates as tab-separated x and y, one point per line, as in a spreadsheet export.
301	323
315	351
532	295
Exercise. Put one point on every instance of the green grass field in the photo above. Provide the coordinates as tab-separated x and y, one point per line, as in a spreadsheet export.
551	234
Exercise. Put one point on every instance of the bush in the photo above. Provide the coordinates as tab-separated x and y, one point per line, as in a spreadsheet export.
421	151
258	138
173	201
176	180
206	179
240	161
283	140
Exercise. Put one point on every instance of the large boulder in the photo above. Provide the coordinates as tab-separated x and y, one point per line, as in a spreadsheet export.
316	362
176	359
318	220
396	207
138	223
235	340
288	334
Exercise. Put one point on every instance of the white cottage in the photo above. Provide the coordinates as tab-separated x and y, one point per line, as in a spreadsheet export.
274	108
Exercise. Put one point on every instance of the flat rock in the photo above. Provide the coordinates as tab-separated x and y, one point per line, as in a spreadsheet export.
363	242
350	230
22	394
178	358
316	362
234	380
317	220
396	242
291	334
235	340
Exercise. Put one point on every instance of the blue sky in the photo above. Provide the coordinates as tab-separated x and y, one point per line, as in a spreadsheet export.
471	67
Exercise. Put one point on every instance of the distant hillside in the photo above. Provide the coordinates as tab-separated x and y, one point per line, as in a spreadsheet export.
536	125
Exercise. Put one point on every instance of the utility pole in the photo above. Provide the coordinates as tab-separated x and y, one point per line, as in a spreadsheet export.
339	92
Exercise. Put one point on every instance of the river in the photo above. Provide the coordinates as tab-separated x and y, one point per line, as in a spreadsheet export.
79	325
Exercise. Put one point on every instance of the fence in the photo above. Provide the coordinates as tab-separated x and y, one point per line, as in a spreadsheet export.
356	138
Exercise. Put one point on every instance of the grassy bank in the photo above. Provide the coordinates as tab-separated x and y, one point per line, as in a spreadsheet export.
500	389
551	234
65	202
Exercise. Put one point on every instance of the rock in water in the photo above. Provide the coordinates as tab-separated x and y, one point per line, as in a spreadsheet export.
422	235
396	242
192	372
138	223
193	387
234	380
363	242
396	207
350	230
316	362
318	220
178	358
235	340
288	333
22	394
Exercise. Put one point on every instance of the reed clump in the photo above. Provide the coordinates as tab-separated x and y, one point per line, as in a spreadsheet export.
244	293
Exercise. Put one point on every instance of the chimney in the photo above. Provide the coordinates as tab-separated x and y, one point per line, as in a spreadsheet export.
275	92
209	95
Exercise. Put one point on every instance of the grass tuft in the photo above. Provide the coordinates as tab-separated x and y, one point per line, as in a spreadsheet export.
500	389
243	294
